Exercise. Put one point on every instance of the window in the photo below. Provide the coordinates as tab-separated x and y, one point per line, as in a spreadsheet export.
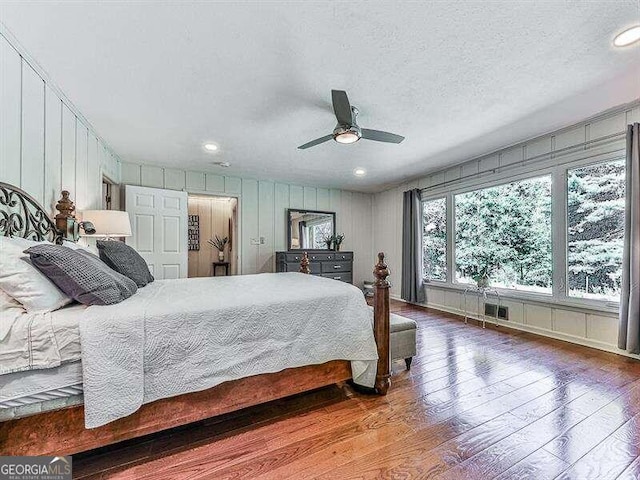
434	239
318	233
595	230
503	235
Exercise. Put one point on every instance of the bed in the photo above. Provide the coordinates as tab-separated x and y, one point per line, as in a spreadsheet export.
171	362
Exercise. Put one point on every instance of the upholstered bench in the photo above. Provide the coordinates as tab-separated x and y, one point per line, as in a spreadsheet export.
402	338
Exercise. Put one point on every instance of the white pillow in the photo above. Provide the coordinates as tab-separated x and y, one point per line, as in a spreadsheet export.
24	282
77	246
10	310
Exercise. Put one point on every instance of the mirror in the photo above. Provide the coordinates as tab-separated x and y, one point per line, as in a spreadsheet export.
308	229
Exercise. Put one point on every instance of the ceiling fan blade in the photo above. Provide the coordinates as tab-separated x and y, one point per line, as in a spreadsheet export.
315	142
380	136
341	107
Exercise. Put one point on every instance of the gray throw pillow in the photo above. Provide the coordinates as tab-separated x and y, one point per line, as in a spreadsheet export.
81	275
125	260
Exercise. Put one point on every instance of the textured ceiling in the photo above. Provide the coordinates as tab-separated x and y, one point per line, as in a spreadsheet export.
457	79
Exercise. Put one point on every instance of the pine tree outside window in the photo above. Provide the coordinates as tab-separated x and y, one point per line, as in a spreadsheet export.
434	239
504	234
595	230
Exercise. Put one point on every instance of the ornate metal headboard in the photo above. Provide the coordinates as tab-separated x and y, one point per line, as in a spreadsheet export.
22	216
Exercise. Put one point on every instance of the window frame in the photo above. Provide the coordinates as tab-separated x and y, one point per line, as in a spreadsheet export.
520	178
589	301
446	216
558	170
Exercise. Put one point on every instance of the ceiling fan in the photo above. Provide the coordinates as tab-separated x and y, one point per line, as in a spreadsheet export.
347	129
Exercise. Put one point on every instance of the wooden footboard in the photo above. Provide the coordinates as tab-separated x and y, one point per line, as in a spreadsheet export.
62	432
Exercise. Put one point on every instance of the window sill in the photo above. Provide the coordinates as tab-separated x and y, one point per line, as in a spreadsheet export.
590	306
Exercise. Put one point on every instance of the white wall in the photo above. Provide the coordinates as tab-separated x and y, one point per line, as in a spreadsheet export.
46	146
573	323
263	207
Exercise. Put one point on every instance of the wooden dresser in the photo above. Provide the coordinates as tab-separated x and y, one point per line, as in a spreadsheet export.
336	265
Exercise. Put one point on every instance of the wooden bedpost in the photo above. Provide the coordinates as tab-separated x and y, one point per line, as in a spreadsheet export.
65	220
381	325
304	264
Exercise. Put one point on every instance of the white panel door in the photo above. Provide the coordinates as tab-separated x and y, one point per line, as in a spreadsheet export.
159	229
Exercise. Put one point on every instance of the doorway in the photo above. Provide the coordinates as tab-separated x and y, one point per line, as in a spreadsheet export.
211	216
110	194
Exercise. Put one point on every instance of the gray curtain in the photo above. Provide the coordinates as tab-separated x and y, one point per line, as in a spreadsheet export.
629	334
412	289
302	234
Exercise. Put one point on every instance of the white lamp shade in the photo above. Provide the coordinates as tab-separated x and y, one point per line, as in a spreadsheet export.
108	223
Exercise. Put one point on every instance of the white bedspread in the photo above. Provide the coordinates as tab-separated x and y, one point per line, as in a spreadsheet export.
179	336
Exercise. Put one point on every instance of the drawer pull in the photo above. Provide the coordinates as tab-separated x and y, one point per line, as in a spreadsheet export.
336	266
337	278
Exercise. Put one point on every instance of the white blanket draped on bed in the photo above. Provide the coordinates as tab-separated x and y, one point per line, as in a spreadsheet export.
179	336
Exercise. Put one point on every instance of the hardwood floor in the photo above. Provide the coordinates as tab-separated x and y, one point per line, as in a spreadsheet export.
477	404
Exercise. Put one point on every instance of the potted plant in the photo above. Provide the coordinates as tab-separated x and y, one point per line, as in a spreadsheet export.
481	279
337	241
481	274
328	241
219	243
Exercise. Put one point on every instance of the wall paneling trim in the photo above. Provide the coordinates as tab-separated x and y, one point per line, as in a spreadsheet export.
262	207
46	145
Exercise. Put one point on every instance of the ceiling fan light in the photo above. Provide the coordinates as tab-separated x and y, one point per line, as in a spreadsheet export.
629	36
347	137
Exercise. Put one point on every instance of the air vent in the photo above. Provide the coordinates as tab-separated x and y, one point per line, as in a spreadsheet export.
490	311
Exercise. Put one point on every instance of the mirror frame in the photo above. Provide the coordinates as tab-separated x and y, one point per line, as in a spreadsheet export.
304	210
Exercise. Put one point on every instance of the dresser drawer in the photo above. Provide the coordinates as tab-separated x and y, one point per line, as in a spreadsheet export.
343	277
293	257
295	267
328	267
343	256
320	257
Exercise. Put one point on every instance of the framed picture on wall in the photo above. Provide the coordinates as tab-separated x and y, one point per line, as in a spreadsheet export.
194	232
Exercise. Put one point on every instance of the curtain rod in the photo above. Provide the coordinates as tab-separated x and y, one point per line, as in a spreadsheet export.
563	151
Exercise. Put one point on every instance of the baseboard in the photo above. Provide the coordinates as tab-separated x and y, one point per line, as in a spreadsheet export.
586	342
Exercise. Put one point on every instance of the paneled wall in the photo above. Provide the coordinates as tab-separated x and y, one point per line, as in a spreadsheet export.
262	211
46	146
602	133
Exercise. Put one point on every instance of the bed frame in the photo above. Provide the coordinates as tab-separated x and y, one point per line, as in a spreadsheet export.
62	432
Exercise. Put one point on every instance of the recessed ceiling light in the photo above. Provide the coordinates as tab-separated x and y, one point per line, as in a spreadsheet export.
359	172
629	36
210	147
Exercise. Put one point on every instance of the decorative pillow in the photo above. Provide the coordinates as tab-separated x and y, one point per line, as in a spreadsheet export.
81	275
125	260
10	310
25	283
126	286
